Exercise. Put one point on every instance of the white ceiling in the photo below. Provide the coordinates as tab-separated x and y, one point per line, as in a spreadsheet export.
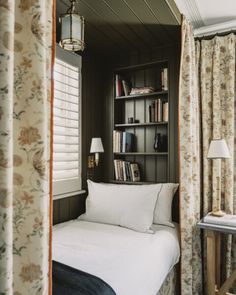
207	12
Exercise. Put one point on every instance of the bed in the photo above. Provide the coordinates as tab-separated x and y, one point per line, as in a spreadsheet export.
117	259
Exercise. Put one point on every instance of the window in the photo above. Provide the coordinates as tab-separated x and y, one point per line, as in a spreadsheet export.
67	123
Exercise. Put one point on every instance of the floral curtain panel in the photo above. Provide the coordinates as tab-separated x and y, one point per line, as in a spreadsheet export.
189	166
217	89
25	94
206	108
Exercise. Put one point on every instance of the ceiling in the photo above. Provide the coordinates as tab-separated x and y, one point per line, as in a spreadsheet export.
207	12
121	26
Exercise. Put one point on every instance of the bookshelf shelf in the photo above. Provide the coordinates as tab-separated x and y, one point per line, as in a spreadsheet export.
141	124
142	154
136	96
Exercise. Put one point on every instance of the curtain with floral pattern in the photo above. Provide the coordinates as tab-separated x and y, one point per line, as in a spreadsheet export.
189	166
206	111
217	92
25	94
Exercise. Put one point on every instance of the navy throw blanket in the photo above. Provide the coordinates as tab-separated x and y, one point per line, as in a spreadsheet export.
70	281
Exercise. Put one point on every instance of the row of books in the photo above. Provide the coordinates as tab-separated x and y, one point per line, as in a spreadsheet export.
158	111
123	142
122	86
126	171
164	79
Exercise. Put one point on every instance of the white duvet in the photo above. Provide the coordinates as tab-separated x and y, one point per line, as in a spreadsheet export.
132	263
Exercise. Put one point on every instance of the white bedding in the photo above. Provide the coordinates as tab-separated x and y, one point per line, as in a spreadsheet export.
132	263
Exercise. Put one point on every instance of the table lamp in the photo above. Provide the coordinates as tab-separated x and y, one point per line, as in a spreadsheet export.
218	150
96	148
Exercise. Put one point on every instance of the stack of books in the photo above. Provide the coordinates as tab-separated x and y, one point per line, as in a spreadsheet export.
126	171
122	86
158	111
123	142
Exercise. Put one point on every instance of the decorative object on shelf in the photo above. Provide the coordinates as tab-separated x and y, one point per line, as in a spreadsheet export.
141	90
160	143
218	150
130	120
72	29
96	148
157	142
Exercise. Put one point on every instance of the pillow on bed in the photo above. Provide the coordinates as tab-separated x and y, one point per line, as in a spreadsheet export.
163	214
130	206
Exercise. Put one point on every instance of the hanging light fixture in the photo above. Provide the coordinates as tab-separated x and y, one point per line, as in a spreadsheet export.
72	30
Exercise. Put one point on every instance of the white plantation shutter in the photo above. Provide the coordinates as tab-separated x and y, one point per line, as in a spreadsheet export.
67	123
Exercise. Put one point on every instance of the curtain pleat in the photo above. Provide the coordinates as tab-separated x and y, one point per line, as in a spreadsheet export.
189	166
25	94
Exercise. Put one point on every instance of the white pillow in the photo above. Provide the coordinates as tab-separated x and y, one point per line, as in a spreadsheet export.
163	210
130	206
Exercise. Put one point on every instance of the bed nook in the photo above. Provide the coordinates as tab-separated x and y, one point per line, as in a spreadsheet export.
118	233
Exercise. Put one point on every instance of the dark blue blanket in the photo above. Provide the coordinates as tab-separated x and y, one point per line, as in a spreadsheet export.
70	281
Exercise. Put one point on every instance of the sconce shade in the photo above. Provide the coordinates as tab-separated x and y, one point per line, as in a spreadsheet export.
218	149
72	30
96	145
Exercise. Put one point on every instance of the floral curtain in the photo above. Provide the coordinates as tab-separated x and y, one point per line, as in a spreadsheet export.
25	94
206	111
217	92
189	166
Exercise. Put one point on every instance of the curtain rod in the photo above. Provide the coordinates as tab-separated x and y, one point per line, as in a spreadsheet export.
211	36
220	29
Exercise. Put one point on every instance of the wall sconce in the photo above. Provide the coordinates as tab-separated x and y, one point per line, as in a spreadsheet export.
72	29
96	147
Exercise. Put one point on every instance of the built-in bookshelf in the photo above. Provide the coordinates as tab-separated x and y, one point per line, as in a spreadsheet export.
141	114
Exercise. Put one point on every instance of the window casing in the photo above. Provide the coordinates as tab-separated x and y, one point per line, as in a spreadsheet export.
67	123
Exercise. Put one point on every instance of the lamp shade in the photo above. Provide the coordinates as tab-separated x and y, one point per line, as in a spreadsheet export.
218	149
96	145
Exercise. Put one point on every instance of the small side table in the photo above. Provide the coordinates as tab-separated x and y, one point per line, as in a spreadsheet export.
213	234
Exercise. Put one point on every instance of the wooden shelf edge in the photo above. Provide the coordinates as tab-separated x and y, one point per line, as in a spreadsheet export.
142	154
141	95
140	66
141	124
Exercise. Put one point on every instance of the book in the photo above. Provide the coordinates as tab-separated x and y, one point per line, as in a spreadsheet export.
165	111
159	110
126	87
156	111
153	111
164	79
118	85
226	220
127	142
150	113
135	172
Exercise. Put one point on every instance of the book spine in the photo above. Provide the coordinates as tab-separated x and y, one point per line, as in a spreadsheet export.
165	111
124	171
116	170
150	113
156	110
124	142
165	79
159	110
153	111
